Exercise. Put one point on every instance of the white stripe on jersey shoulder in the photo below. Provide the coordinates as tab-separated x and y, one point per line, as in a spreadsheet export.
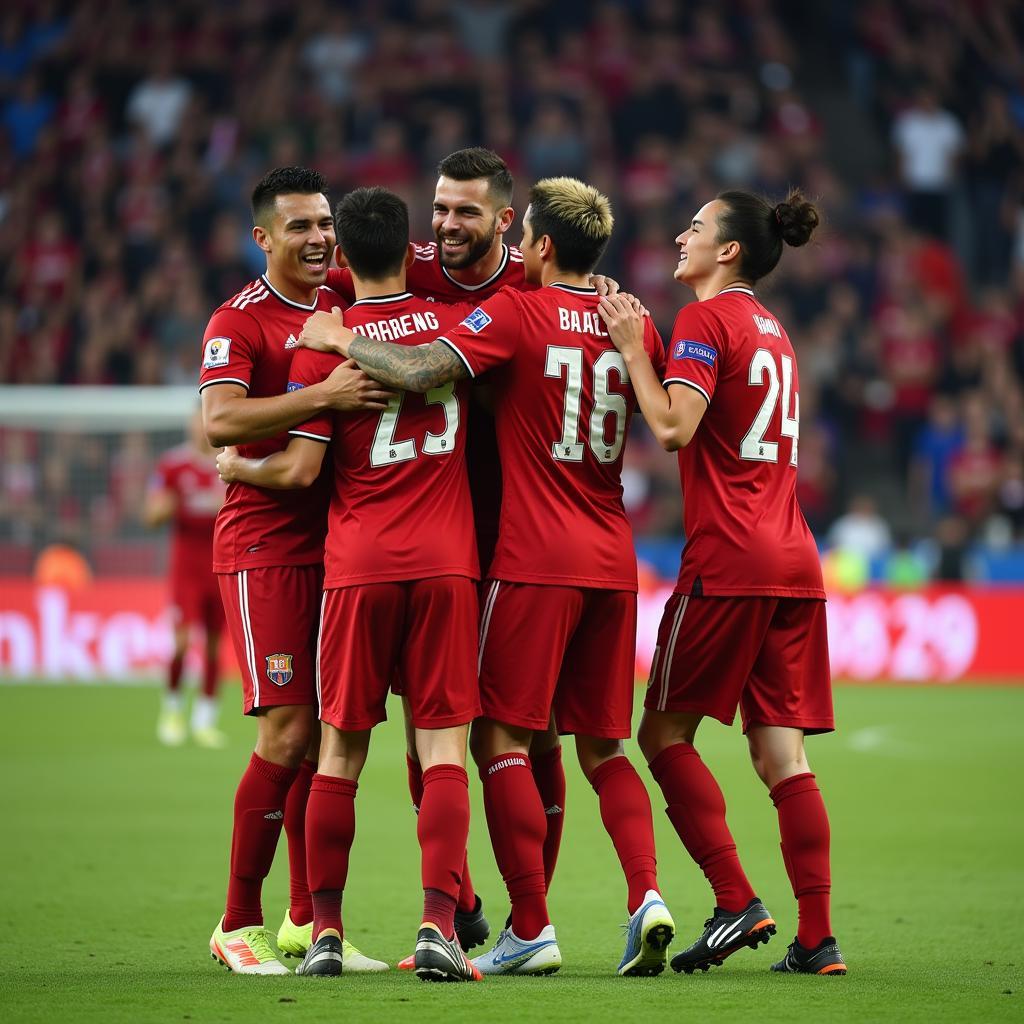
223	380
287	301
255	292
312	437
689	384
505	257
573	289
741	288
456	350
376	300
515	254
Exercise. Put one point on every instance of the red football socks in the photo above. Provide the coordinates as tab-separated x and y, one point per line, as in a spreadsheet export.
259	815
330	829
626	813
696	809
442	829
415	776
549	775
803	825
210	674
300	905
517	824
467	894
174	672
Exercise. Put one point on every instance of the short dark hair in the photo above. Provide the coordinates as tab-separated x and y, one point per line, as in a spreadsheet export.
761	228
477	162
283	181
576	217
373	231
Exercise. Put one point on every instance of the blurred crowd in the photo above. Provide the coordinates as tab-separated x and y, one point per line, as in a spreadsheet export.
130	135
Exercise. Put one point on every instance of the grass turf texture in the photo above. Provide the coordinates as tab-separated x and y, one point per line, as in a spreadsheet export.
114	860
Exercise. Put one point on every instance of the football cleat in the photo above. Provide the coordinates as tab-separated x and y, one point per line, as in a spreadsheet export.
170	728
825	958
245	950
210	738
724	933
513	955
295	940
322	959
648	934
441	959
471	927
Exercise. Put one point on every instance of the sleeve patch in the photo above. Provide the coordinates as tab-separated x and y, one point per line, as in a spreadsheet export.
477	320
294	385
218	351
695	350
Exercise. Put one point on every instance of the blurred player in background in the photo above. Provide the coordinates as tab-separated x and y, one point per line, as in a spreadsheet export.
187	492
746	624
558	627
268	552
400	589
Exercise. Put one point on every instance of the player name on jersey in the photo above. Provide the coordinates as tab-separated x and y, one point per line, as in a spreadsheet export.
395	327
581	322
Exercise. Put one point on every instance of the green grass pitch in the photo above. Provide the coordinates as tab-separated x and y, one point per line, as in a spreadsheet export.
114	854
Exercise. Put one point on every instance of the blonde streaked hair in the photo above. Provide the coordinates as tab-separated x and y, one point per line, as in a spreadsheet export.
576	217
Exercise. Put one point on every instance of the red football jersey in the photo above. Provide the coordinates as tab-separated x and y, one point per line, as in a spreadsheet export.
196	485
249	341
563	403
428	279
745	533
400	507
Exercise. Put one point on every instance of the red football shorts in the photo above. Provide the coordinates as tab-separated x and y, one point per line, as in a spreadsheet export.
195	600
273	615
766	655
423	631
569	650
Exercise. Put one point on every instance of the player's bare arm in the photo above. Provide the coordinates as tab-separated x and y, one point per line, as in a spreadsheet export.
672	415
159	507
295	467
230	416
416	368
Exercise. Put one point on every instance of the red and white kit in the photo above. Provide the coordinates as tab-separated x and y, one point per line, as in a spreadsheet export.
747	623
269	544
198	490
565	557
428	279
401	562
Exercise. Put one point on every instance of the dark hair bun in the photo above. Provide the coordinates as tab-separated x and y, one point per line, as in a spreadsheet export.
796	218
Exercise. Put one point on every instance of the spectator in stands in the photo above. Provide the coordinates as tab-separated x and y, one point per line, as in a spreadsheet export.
929	141
861	531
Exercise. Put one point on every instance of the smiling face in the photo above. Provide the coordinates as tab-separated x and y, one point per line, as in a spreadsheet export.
699	250
466	222
298	239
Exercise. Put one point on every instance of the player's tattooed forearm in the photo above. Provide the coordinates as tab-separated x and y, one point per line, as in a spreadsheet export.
418	368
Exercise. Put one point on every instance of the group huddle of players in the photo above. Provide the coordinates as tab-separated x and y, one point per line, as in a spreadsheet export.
433	416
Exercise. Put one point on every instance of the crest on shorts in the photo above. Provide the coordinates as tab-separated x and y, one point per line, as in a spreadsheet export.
279	669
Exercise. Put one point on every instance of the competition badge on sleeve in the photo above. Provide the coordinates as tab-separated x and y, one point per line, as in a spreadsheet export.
217	353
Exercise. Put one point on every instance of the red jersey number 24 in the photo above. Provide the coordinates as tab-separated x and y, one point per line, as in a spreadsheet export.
765	371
